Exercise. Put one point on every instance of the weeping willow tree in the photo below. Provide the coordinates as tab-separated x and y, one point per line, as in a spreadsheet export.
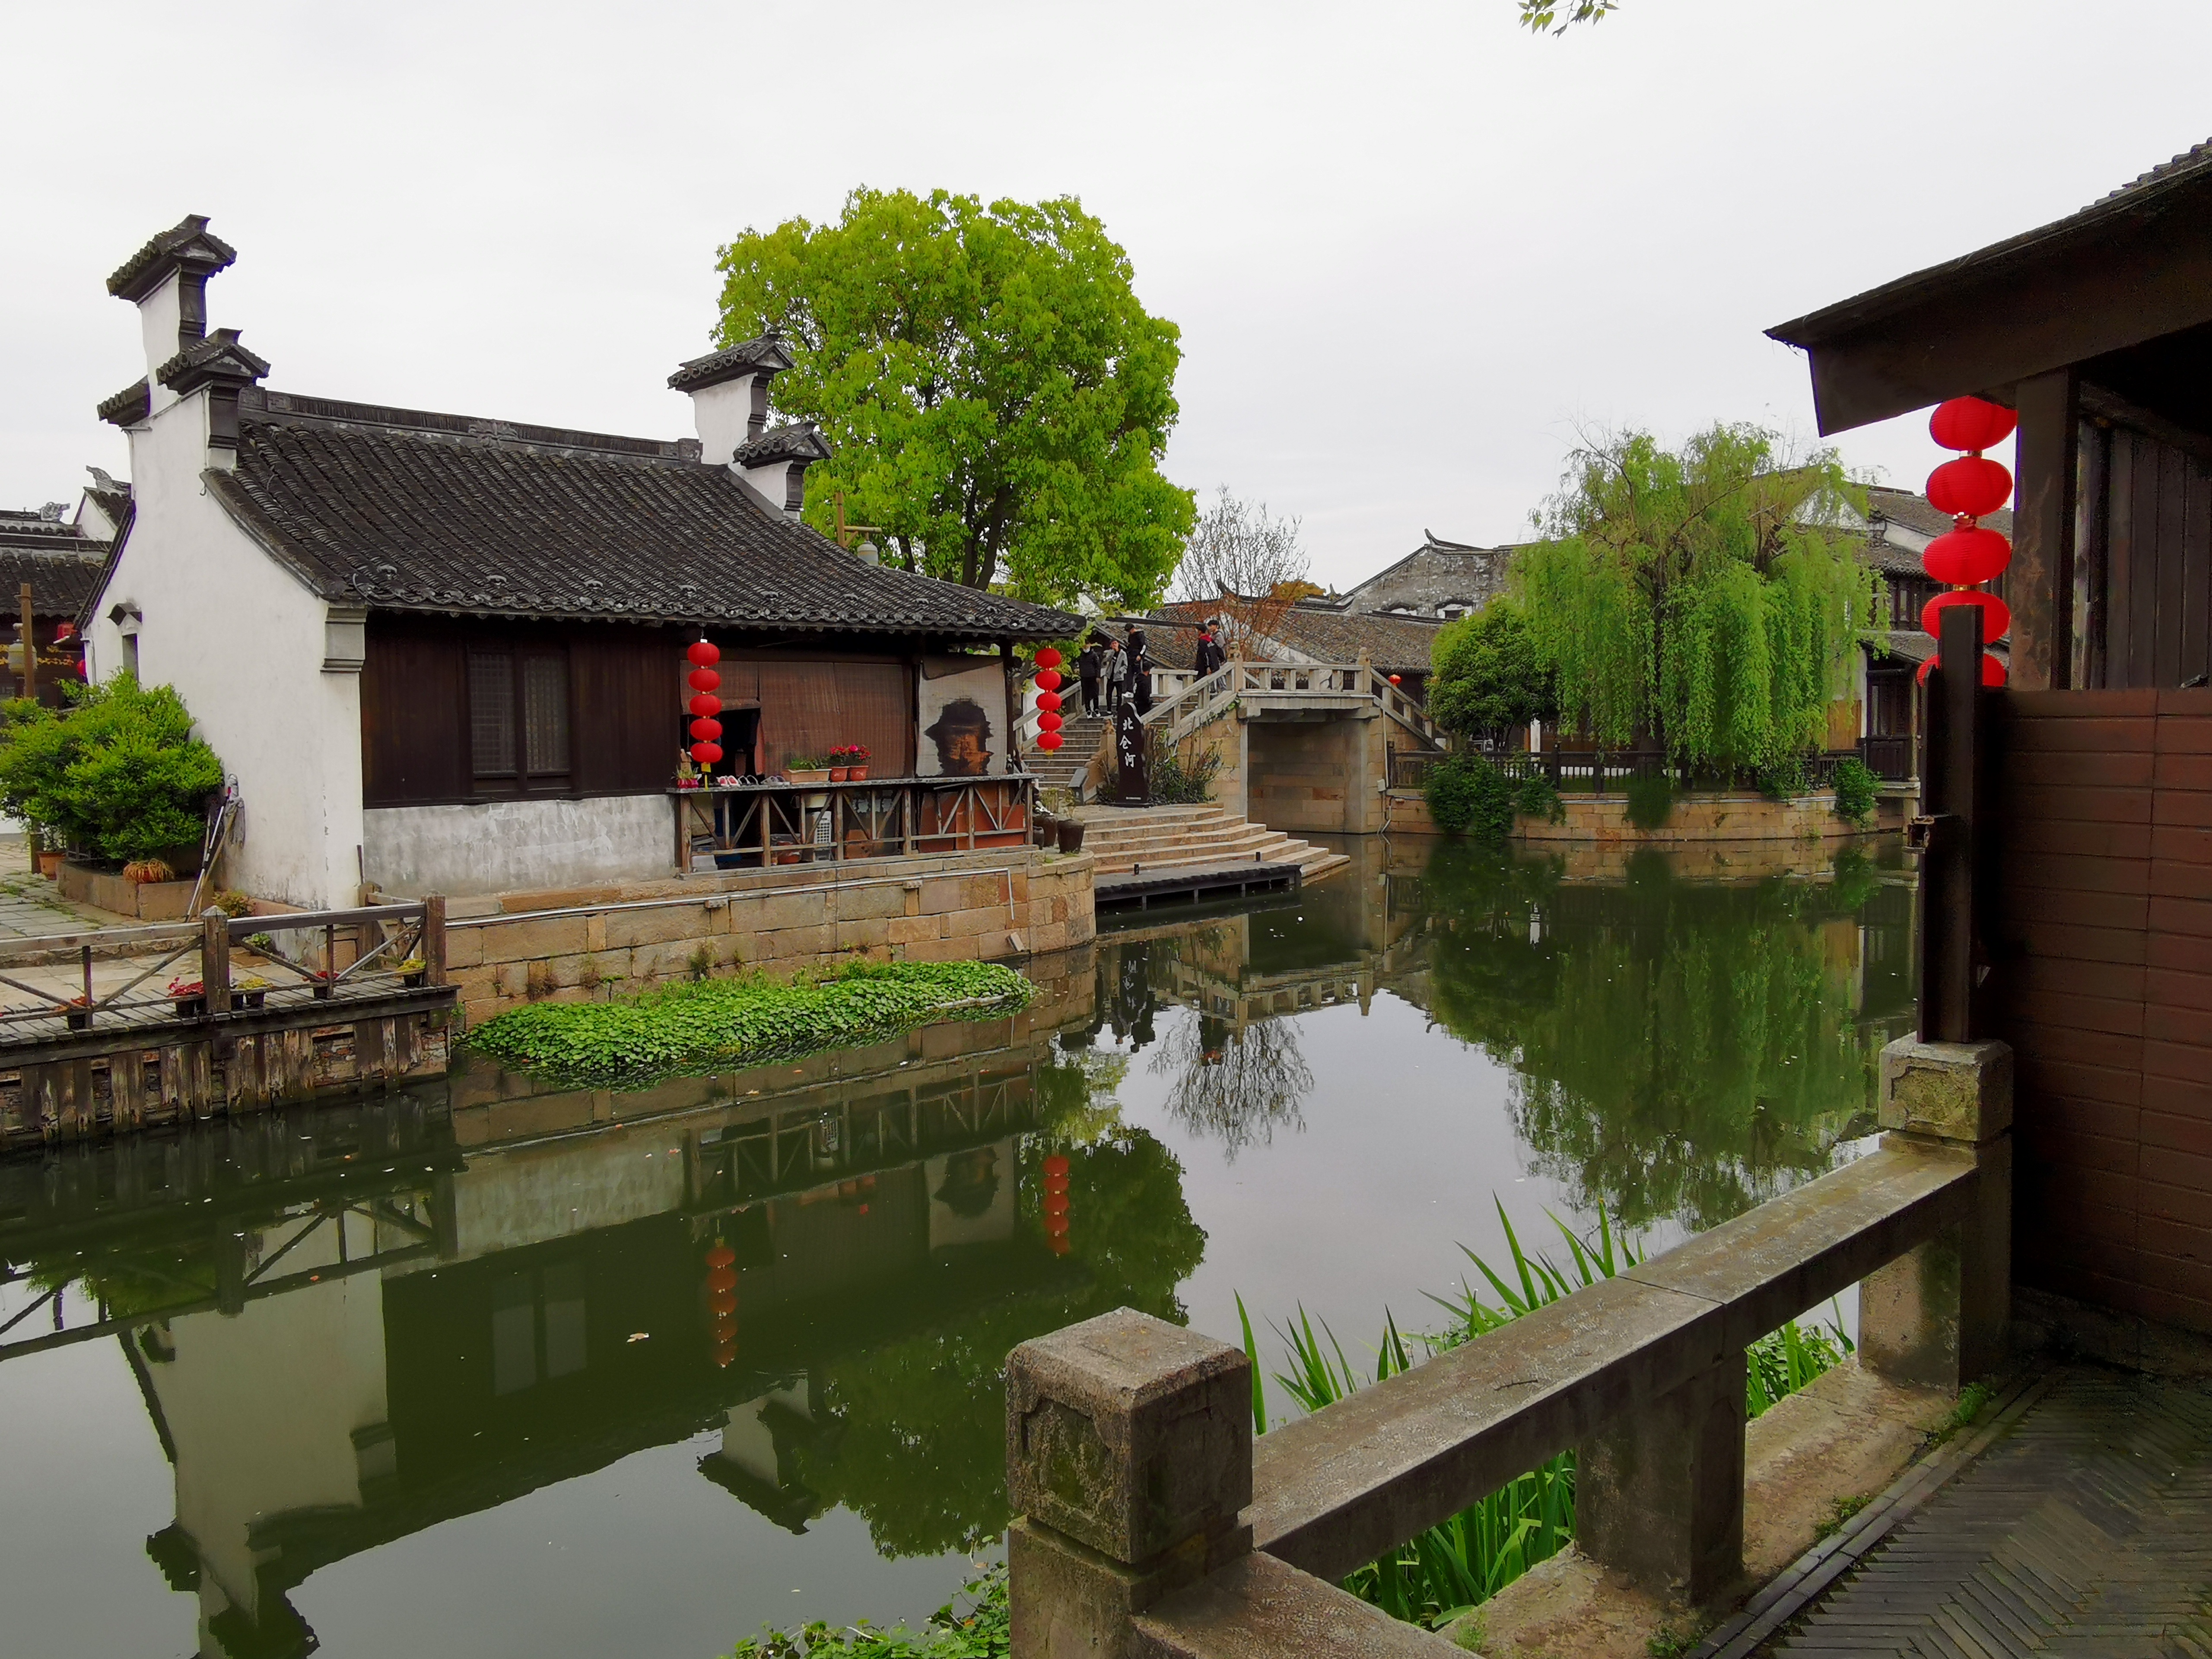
1708	598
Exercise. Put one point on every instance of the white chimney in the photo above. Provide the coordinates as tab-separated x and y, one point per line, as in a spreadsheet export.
167	280
729	393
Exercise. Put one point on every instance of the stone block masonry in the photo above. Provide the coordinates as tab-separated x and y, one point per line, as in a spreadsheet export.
579	944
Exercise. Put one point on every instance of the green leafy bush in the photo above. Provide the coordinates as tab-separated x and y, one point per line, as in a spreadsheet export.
1858	788
1487	678
1651	801
632	1041
1177	785
1785	779
117	775
1469	796
982	1630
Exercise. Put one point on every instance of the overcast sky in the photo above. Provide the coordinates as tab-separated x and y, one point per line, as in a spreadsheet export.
1412	248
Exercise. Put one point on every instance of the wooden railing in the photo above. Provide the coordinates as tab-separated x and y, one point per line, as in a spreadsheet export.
189	969
1889	757
752	826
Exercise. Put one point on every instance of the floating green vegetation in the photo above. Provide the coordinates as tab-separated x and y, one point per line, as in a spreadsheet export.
980	1629
632	1041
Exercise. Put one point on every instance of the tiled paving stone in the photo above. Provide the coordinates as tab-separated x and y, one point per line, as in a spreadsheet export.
2085	1530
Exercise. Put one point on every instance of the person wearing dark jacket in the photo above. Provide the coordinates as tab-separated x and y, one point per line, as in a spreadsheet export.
1141	671
1210	658
1087	667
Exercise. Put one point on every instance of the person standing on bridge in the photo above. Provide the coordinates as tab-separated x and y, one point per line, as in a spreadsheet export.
1209	655
1140	671
1117	674
1086	670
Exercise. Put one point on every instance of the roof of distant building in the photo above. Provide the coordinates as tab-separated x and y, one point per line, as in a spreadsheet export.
1316	629
1435	575
402	510
57	557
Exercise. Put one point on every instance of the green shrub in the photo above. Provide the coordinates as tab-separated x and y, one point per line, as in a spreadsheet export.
118	774
1650	800
1785	779
1469	796
1175	784
1858	788
632	1041
982	1630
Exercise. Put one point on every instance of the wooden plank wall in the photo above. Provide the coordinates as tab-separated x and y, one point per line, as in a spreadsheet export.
2103	947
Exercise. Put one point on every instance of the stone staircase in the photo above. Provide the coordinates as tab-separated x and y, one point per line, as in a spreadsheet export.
1174	839
1061	768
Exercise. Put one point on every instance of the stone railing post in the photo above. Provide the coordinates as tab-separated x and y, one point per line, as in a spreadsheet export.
1941	1315
1129	1458
1659	1492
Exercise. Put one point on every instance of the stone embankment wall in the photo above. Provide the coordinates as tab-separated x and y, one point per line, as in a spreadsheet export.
1695	818
573	944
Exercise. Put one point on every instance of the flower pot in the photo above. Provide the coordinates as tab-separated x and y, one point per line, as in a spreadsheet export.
856	773
416	979
245	1000
190	1008
837	774
78	1019
1071	835
49	864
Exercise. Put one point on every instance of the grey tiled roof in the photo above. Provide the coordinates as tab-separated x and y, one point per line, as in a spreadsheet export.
768	352
798	442
188	242
60	562
1917	513
402	512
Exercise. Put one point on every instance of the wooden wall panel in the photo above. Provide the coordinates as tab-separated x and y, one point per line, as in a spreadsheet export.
808	706
2150	529
2104	938
413	749
629	695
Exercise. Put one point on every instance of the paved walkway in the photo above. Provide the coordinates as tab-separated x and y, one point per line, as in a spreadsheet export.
31	907
2084	1528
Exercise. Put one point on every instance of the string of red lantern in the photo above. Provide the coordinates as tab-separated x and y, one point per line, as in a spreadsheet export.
704	705
1969	554
1047	686
722	1301
1055	1205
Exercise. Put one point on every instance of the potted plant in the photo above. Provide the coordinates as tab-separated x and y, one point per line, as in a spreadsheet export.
853	758
250	991
77	1012
411	971
190	996
806	769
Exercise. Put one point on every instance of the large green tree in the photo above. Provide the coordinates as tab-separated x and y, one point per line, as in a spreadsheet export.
1707	597
997	399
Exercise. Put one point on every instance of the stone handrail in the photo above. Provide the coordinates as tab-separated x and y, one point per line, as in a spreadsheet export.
1154	1524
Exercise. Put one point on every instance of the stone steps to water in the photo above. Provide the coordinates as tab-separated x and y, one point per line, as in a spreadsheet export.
1168	839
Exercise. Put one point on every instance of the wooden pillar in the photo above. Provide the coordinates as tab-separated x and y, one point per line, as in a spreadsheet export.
1949	782
2039	587
214	961
29	687
434	938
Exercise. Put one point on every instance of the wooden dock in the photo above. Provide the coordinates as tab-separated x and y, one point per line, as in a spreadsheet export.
1180	885
353	1000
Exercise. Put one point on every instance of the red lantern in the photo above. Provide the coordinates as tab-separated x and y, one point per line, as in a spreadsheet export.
706	754
1970	424
1055	1203
723	1302
1058	1244
721	1256
704	679
1048	658
1962	558
1046	680
1048	700
703	655
1055	1166
726	1355
1973	486
723	1279
1997	614
706	730
1049	721
1993	672
1394	680
706	705
1048	740
1056	1225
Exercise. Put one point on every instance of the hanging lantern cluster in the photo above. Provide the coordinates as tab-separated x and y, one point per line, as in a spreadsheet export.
722	1301
1969	488
1049	721
1055	1205
706	730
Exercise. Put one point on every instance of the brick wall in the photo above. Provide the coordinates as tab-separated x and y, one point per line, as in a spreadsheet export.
2103	984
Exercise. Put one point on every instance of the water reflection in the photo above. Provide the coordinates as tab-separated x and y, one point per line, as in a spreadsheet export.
354	1326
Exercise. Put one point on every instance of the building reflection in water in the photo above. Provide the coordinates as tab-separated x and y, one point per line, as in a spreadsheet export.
351	1325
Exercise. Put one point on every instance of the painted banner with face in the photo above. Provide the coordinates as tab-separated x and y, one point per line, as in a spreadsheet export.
963	714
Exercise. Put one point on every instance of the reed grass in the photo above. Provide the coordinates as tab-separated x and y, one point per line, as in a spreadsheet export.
1447	1570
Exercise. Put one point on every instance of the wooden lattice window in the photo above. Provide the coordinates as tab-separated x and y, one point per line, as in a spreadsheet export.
518	719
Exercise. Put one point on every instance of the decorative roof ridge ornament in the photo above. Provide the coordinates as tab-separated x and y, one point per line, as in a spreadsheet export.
765	353
217	358
186	245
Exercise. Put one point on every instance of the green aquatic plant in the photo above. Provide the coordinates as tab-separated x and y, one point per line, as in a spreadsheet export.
631	1041
1444	1572
983	1629
1857	787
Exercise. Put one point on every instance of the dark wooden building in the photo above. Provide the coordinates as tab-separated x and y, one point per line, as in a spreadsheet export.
57	557
2098	331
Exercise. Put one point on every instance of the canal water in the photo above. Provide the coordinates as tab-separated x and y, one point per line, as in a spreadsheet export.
440	1373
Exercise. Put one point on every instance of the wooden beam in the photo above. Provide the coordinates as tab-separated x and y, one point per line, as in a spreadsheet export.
2040	584
1980	334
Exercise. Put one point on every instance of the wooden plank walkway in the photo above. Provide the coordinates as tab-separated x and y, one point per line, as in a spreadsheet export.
2084	1528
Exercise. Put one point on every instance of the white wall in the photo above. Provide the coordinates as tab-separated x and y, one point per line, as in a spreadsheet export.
242	640
497	847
